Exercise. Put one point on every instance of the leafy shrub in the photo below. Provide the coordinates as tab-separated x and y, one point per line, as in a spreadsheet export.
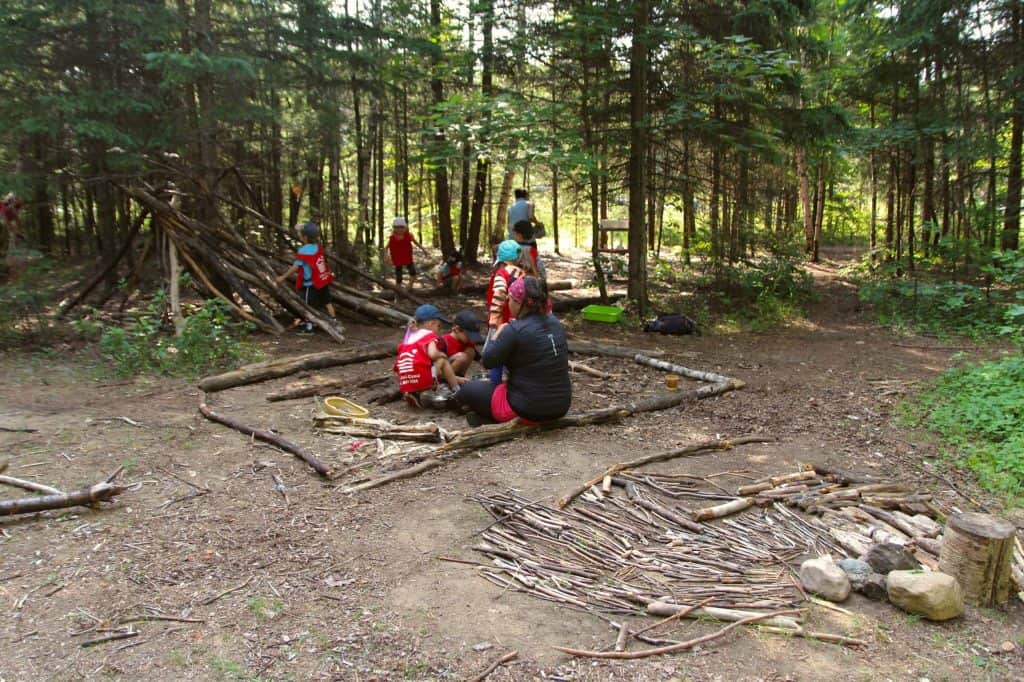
979	410
990	304
210	339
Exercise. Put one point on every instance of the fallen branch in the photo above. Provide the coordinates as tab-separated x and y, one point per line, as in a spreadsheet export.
428	432
681	646
29	485
807	634
86	496
510	656
275	369
268	436
587	369
660	608
111	638
236	588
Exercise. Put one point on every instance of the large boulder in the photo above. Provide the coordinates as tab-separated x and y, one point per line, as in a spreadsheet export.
823	578
863	578
886	557
934	595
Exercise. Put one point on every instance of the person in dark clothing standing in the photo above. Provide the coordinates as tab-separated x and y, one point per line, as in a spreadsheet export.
535	353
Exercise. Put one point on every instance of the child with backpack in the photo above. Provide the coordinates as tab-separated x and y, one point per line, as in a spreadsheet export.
506	271
313	283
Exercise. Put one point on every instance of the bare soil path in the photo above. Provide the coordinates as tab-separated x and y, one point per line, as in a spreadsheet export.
224	577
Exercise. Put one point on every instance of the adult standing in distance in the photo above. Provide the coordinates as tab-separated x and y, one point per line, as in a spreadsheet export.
523	210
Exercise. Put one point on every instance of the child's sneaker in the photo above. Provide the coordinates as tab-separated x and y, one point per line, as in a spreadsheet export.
305	329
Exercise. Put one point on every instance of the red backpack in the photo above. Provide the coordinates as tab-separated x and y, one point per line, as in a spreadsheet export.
413	365
322	275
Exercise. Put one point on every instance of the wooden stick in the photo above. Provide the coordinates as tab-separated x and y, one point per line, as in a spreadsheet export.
702	448
718	511
111	638
226	592
587	369
807	634
29	485
682	646
85	496
659	608
268	437
510	656
620	641
634	495
682	613
408	472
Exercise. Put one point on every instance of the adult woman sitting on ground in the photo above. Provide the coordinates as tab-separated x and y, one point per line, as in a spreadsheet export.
533	349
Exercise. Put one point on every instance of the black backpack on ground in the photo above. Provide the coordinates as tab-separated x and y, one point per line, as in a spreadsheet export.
672	323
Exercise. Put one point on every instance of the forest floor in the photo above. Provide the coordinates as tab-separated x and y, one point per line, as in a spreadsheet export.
318	584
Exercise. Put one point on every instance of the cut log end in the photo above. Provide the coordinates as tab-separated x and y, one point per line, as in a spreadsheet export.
977	550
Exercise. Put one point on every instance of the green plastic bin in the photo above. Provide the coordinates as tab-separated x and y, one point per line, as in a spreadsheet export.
602	313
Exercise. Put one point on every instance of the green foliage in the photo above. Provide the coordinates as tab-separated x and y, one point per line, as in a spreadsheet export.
991	305
210	339
978	411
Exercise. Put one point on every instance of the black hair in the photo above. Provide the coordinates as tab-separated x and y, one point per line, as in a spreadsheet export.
536	300
525	230
521	193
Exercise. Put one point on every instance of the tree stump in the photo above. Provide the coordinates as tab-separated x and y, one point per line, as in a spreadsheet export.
977	550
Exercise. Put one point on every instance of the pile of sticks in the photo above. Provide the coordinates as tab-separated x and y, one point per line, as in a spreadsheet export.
858	512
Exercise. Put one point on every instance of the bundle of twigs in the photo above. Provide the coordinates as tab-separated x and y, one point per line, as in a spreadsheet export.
858	513
612	555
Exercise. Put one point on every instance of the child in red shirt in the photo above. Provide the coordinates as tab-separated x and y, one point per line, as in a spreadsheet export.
464	342
400	249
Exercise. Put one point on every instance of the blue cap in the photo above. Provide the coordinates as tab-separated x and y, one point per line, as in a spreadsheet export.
310	230
428	312
508	250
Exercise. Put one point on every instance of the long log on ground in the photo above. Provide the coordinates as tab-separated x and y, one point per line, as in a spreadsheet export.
319	386
484	436
474	289
282	367
29	485
86	496
702	448
591	348
663	365
100	276
268	437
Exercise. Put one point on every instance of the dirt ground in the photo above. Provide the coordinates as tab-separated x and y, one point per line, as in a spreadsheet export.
225	577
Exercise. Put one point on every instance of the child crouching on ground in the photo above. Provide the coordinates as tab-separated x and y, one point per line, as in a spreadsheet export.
464	342
312	285
449	274
422	361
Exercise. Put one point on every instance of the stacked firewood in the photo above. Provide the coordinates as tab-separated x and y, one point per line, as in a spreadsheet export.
858	512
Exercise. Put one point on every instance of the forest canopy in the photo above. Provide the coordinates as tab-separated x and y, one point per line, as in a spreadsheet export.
722	129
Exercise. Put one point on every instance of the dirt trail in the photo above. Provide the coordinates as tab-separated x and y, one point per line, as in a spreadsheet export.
329	586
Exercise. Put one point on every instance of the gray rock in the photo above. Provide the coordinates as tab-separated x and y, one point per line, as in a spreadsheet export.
856	570
874	587
934	595
863	578
887	557
822	577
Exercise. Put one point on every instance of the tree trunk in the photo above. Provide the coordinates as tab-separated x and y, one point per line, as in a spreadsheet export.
977	550
638	157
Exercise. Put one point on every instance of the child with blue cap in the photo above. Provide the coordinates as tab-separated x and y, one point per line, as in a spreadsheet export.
506	271
315	277
422	360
